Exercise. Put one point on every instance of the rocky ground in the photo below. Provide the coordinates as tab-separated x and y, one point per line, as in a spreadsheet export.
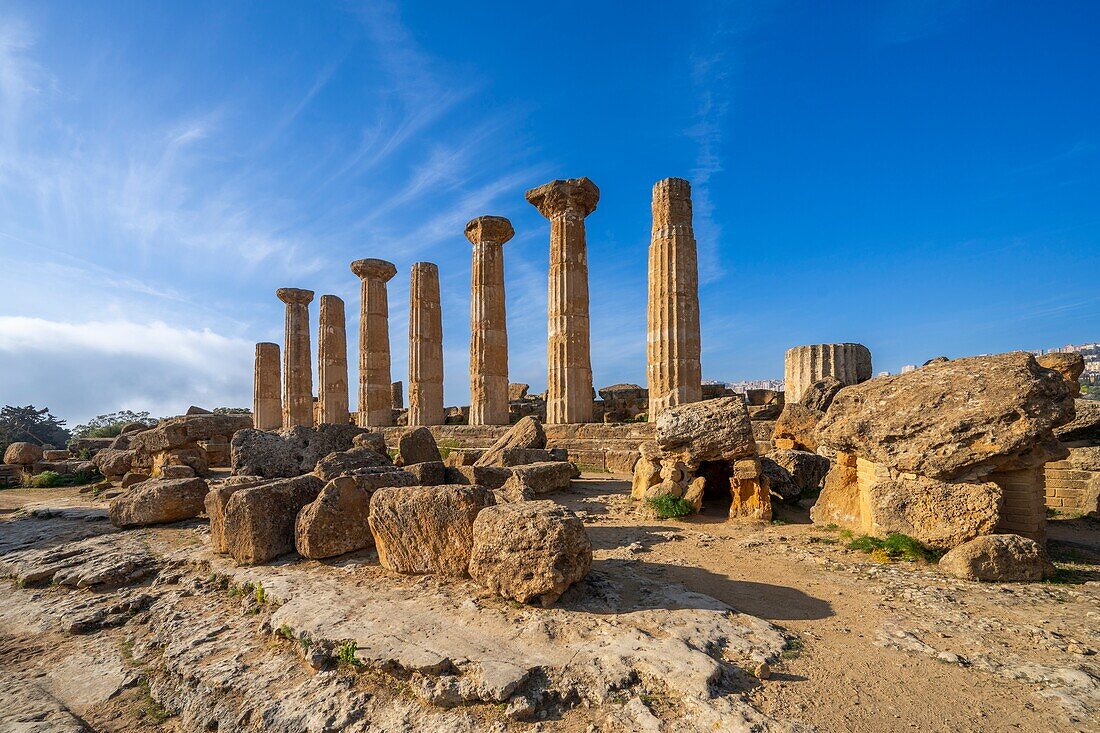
111	630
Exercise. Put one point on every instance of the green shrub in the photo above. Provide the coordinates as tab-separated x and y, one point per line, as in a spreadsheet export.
345	654
445	448
668	506
261	594
53	479
894	547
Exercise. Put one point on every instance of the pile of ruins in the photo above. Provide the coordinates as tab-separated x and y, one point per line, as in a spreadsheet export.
951	453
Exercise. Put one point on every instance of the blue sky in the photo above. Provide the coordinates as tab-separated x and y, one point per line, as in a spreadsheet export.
922	177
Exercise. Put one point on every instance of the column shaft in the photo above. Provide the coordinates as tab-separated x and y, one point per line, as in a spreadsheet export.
297	362
375	404
267	402
488	321
332	362
803	365
425	347
673	344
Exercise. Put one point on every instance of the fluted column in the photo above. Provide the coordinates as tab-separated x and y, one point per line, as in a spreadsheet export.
332	362
804	365
488	321
267	402
568	351
297	363
375	408
425	347
672	345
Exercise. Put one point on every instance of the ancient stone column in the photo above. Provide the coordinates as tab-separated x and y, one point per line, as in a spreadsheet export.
804	365
332	362
375	408
672	345
397	395
297	364
425	347
488	323
569	361
267	401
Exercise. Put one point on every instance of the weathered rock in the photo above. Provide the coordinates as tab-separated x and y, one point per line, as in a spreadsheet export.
711	430
820	394
462	456
174	472
523	456
79	445
530	552
647	473
999	558
838	502
1071	366
114	463
428	473
527	433
132	478
335	522
341	463
1084	426
426	529
417	446
22	454
122	441
184	432
374	441
791	472
536	479
939	514
965	417
750	498
290	452
491	477
195	410
158	501
215	503
259	520
694	493
56	455
798	425
517	391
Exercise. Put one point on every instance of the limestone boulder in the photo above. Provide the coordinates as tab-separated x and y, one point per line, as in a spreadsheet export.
122	441
259	520
417	446
174	471
536	479
647	473
158	501
529	552
819	395
56	455
91	445
965	417
22	454
426	529
336	521
838	503
188	430
289	452
491	477
796	428
749	494
792	472
375	441
711	430
215	503
340	463
1070	366
526	434
428	473
132	478
113	463
999	558
939	514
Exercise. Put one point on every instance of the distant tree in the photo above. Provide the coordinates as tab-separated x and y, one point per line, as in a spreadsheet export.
232	411
31	425
111	424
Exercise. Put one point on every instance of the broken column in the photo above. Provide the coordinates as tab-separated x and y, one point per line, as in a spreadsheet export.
332	362
488	323
804	365
672	346
375	408
425	347
569	363
267	402
297	366
397	396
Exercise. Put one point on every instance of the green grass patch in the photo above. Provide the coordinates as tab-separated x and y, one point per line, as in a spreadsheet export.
261	594
150	708
345	655
894	547
53	479
445	447
591	468
670	507
792	649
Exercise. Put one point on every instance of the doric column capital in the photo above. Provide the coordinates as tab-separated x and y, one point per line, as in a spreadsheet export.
294	295
425	267
489	230
576	196
372	269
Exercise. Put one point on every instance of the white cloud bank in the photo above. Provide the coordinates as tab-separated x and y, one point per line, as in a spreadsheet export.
82	369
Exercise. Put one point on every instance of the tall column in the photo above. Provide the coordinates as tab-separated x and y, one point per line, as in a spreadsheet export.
568	351
297	366
375	409
425	347
804	365
488	321
332	362
267	402
672	345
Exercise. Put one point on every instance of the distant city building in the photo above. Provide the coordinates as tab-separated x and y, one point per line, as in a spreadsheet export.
908	368
776	385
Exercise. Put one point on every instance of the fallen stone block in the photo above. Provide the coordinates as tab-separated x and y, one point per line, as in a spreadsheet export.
491	477
426	529
335	522
711	430
999	558
340	463
158	501
526	434
530	552
428	473
259	520
536	479
417	446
